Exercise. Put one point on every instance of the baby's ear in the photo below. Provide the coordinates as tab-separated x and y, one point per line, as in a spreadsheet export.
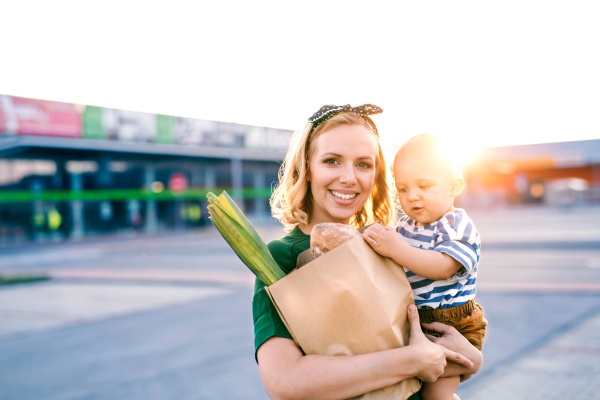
458	185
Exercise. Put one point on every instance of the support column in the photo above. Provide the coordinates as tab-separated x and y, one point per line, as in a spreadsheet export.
195	176
260	206
595	186
237	179
38	217
210	183
210	178
78	230
151	225
104	176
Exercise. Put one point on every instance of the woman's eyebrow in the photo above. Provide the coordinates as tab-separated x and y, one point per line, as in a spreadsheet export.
331	154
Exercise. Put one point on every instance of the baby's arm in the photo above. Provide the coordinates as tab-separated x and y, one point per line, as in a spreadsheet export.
426	263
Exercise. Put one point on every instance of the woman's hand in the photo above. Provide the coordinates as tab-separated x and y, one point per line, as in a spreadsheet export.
431	357
452	340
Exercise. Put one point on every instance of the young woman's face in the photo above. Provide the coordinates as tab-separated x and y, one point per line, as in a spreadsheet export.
342	172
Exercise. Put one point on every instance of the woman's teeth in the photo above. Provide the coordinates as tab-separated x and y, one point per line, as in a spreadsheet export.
343	196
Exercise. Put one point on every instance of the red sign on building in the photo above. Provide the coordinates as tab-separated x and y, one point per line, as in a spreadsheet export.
23	116
178	181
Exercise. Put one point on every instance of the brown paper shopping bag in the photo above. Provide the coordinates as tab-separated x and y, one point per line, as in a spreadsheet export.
349	301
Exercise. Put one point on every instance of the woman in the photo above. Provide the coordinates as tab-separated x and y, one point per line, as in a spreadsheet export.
335	171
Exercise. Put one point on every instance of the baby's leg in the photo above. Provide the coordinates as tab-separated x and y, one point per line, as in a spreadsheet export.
442	389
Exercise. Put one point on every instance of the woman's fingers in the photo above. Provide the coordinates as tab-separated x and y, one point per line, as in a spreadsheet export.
437	327
431	338
413	318
458	358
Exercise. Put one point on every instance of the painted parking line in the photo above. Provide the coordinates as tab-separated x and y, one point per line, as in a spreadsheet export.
538	287
238	278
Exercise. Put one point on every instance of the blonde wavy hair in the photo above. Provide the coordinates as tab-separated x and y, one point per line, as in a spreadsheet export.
291	202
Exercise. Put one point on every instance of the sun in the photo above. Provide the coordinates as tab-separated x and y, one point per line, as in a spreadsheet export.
462	153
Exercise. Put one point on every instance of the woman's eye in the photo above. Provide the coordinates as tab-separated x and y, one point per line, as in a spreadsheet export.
424	187
363	165
332	161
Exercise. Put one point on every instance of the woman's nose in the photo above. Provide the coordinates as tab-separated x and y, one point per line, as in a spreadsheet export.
348	175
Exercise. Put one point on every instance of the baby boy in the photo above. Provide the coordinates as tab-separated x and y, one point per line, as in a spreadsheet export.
437	245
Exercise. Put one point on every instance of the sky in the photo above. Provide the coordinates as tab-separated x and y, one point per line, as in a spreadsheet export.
477	73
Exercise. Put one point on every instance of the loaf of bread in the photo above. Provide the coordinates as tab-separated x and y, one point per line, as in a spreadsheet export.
327	236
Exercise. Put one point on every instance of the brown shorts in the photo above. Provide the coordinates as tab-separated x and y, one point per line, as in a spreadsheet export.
467	319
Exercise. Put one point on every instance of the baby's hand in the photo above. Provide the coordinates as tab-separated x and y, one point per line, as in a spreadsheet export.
383	240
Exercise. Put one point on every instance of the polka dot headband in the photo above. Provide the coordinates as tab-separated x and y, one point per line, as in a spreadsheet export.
329	111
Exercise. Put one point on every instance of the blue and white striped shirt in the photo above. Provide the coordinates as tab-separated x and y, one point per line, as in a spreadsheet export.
455	235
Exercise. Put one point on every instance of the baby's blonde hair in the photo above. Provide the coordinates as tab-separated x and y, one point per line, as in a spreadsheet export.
291	202
430	148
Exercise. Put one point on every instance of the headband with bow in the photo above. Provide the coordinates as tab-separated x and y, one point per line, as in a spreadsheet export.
329	111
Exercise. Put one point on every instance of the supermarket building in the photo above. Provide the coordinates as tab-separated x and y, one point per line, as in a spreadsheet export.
68	170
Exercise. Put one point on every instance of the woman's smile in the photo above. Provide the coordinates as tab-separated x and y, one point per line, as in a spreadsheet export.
343	195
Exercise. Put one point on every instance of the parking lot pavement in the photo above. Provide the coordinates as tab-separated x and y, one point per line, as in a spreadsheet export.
196	350
140	318
521	322
51	305
539	271
194	250
537	225
567	367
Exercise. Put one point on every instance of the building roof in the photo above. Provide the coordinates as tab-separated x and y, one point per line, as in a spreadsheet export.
583	151
9	145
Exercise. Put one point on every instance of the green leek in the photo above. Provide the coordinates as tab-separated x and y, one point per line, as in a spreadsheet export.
245	241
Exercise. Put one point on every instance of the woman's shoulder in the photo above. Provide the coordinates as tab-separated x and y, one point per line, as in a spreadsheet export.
291	238
285	250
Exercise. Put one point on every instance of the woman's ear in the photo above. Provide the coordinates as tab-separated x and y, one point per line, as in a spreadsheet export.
458	185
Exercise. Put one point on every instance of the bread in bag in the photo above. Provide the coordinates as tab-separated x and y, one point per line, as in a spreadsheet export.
327	236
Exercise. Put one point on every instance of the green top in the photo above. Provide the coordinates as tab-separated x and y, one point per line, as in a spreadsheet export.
267	322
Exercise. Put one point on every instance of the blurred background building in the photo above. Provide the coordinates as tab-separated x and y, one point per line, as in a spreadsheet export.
69	170
556	174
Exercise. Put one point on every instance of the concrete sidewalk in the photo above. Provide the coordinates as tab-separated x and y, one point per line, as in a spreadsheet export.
567	367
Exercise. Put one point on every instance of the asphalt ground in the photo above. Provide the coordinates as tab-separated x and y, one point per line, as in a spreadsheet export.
169	317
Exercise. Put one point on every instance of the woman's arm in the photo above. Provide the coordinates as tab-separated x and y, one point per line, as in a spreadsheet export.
453	340
287	374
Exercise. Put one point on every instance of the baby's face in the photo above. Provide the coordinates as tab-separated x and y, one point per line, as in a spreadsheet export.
425	190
